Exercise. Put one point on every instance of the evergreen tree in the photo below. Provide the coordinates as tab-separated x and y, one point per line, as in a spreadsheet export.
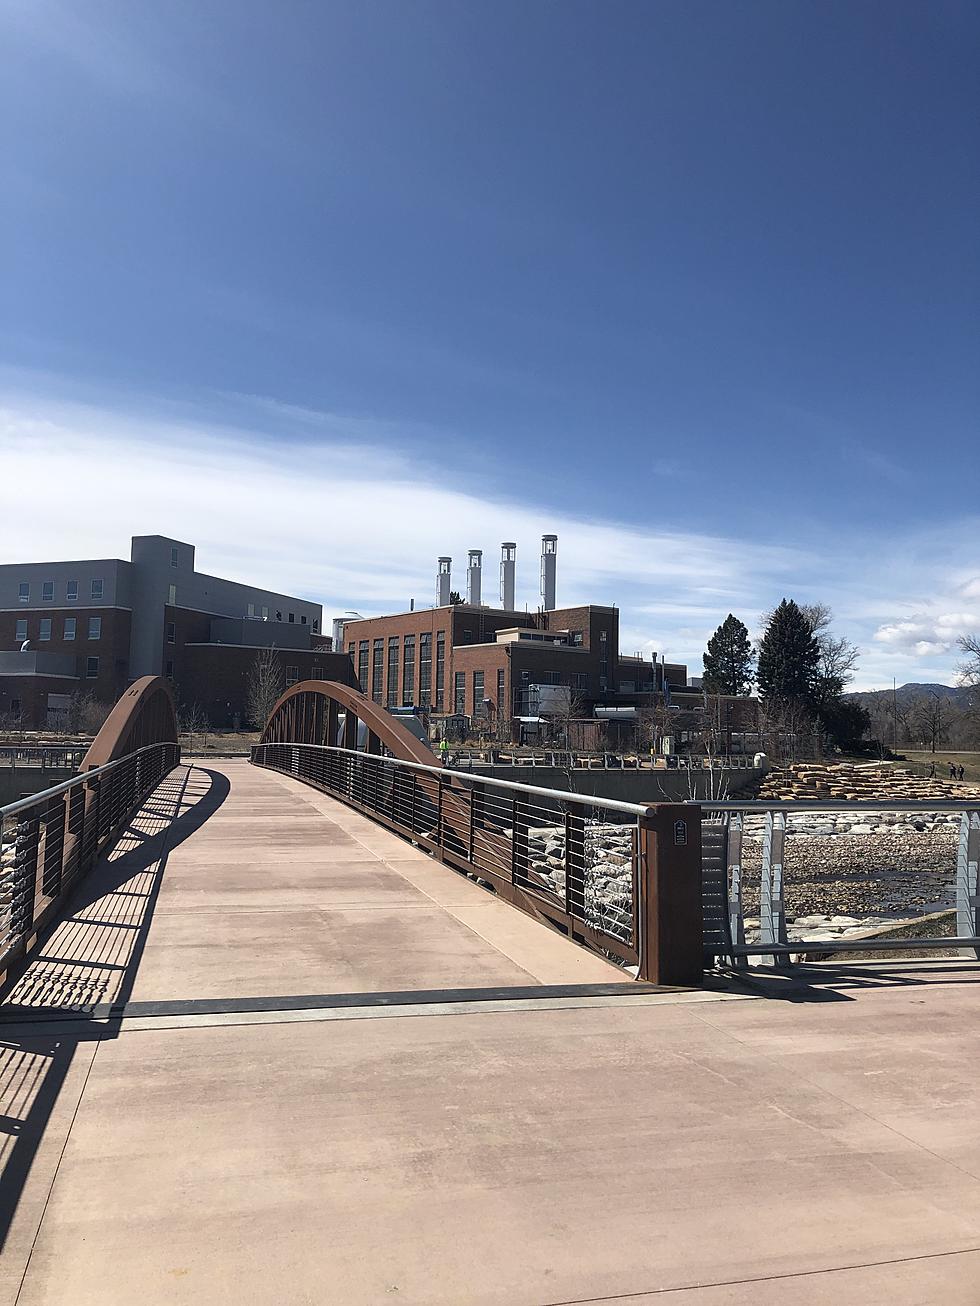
789	657
728	659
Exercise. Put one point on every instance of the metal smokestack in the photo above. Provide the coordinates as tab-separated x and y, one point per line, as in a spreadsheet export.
474	577
444	582
549	571
508	566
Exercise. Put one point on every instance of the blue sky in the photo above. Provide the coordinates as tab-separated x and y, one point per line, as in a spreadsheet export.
696	285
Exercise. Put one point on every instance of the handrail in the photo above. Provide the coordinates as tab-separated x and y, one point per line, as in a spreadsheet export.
838	805
21	804
468	777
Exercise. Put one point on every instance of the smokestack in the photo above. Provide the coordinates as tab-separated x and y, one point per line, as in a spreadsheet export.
508	564
474	577
549	569
444	582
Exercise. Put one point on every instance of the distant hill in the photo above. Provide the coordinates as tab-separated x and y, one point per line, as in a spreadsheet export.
961	695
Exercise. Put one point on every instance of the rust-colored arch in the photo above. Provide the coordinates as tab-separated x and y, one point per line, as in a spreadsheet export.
308	713
145	714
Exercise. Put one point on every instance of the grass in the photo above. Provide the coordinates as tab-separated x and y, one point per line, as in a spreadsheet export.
970	761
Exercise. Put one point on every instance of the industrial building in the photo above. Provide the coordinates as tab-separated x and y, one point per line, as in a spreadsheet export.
92	627
491	664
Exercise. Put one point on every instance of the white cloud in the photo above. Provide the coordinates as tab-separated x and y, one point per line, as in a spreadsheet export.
345	517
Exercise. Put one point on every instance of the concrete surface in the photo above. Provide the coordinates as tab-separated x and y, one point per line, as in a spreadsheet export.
822	1145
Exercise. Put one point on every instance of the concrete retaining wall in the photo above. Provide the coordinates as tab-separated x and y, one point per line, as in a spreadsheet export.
626	786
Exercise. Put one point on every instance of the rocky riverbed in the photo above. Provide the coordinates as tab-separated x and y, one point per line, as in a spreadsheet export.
844	873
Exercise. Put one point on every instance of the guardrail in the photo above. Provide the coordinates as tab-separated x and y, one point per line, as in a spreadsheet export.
49	840
563	759
615	876
724	834
44	757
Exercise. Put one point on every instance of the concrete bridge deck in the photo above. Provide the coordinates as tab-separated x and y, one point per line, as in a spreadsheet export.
251	1067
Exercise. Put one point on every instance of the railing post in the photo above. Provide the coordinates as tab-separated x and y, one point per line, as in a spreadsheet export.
671	926
968	881
772	908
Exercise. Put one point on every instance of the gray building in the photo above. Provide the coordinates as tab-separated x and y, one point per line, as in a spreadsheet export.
96	625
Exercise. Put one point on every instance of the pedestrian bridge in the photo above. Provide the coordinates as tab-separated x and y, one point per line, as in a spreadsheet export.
267	1050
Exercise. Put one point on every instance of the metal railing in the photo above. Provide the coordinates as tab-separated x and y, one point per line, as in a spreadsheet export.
570	860
43	757
724	879
50	839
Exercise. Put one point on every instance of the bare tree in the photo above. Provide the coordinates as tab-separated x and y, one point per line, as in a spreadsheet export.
192	720
86	714
969	671
263	687
930	718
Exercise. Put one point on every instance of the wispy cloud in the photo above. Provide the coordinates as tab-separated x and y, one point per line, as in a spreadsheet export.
355	522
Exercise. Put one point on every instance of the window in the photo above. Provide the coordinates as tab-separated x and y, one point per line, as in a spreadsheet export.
47	591
170	668
69	627
95	627
501	691
392	692
265	613
292	617
172	596
317	672
303	618
171	632
24	591
440	669
377	669
45	628
362	665
580	680
350	650
98	588
250	610
173	556
549	678
292	676
21	632
15	706
91	668
408	672
479	707
459	693
425	669
71	591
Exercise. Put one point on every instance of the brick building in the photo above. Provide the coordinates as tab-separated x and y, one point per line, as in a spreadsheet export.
486	663
92	627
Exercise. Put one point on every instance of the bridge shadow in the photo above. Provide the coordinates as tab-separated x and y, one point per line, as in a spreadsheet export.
85	965
842	981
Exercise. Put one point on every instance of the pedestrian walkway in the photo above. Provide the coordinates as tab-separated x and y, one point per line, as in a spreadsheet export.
277	1055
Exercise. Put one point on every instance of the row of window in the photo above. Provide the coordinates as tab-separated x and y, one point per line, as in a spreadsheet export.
263	612
97	589
69	629
382	669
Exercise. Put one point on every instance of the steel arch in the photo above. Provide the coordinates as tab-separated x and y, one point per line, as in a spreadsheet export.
309	713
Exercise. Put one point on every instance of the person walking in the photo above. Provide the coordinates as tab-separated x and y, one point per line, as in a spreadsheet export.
444	750
932	770
962	773
952	771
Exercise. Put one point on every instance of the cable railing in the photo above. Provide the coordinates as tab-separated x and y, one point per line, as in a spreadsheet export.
570	860
50	839
42	757
912	863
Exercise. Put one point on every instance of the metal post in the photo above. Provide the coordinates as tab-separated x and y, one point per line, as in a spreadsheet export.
968	882
672	928
772	908
736	916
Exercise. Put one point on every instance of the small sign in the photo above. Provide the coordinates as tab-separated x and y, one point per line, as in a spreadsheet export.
680	832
